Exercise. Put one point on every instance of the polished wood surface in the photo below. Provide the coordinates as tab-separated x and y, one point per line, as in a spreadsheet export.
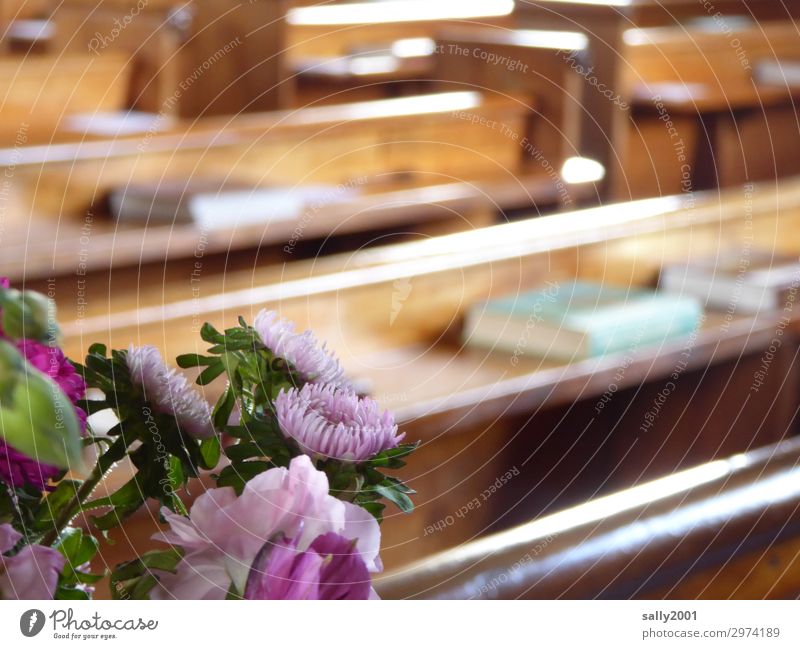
654	538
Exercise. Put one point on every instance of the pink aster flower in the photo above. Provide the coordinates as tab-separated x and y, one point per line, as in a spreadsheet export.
32	573
331	568
169	392
17	469
333	423
313	362
224	533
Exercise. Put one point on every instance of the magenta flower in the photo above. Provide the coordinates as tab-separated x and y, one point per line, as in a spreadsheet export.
331	568
169	392
225	533
32	573
314	363
52	362
337	424
4	283
17	469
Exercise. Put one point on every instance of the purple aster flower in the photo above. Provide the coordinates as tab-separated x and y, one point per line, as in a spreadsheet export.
335	423
32	573
17	469
331	568
313	362
224	534
169	391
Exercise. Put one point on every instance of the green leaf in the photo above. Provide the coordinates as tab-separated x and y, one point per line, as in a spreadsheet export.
210	334
77	547
391	458
210	452
210	373
223	408
238	474
374	508
128	494
66	593
134	579
53	503
397	497
187	361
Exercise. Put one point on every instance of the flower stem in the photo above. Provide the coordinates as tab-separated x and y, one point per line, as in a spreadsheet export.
73	507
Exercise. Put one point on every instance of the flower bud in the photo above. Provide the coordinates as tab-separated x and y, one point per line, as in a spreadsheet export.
38	418
27	314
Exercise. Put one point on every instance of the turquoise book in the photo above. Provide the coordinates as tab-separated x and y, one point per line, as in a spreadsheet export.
578	320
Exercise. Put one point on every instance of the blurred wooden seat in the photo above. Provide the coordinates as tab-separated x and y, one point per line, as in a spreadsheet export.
604	128
528	63
699	86
382	147
39	93
676	536
344	29
399	311
204	57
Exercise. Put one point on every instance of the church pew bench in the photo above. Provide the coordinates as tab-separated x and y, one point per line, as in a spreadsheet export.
398	313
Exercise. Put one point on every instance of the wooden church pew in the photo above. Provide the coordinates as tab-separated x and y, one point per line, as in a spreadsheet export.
343	29
699	88
675	535
529	63
604	124
398	317
371	147
204	57
38	94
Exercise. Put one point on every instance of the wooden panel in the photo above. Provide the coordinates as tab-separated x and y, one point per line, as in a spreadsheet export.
38	92
203	57
522	62
701	120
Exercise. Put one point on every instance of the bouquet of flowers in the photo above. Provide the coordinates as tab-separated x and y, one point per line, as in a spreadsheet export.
297	457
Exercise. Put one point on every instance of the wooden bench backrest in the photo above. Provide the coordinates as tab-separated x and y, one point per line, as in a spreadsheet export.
627	544
625	244
346	30
38	92
525	62
430	137
721	63
191	58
